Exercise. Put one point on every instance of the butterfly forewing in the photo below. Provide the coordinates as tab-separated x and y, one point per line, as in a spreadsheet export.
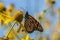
36	24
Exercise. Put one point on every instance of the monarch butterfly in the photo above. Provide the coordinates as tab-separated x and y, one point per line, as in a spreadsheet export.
32	24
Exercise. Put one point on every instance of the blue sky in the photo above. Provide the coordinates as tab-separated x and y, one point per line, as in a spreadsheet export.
33	7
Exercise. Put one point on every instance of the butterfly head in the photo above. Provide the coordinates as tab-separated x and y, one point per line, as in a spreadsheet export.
26	15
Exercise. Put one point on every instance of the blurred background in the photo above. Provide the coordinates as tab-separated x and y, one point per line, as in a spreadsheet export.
46	12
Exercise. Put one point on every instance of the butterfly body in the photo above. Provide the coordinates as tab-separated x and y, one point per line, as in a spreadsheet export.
31	24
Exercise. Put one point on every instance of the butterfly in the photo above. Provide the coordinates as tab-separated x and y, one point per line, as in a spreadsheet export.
32	24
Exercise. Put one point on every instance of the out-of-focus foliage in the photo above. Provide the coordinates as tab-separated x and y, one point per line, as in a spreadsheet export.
50	3
8	14
22	32
11	35
58	25
47	24
1	5
40	17
58	11
21	28
6	18
3	13
44	38
10	8
55	35
18	16
26	38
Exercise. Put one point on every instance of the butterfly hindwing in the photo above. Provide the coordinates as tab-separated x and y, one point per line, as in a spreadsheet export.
28	25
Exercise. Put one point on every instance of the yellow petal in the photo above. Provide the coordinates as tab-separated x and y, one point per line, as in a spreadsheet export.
7	21
1	5
27	37
10	7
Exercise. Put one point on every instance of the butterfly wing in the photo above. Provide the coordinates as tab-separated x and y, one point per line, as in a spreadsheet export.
36	24
31	24
28	25
39	28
